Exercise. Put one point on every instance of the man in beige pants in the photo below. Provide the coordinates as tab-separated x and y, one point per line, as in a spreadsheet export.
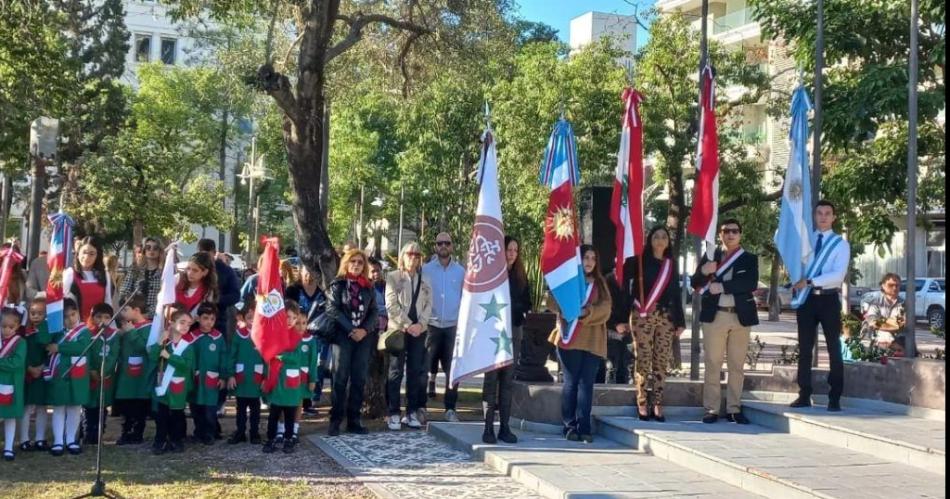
728	313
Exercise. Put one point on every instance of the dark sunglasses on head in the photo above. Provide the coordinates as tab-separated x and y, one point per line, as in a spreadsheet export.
443	243
151	247
730	231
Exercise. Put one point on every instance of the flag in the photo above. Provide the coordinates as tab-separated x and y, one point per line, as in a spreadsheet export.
166	295
561	253
703	219
793	238
484	342
626	203
270	333
59	258
10	259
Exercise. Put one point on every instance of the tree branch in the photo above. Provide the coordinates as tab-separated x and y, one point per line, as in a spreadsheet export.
277	85
360	21
739	203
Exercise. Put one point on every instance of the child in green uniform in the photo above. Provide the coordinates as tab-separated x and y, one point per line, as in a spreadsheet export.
36	335
67	377
109	347
211	369
284	399
12	372
309	351
247	374
175	356
134	379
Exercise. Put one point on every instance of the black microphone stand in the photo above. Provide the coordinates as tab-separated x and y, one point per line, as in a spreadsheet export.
99	486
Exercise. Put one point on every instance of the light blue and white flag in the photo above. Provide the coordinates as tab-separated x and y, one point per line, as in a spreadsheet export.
793	238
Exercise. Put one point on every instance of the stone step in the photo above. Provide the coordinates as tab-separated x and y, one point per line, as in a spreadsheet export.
771	463
553	467
896	437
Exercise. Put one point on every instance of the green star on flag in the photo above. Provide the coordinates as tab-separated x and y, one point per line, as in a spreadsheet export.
493	309
502	342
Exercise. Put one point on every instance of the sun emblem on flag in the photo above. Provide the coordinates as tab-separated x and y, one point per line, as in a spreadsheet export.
795	191
561	223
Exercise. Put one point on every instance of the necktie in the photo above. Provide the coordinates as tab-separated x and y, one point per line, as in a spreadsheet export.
818	245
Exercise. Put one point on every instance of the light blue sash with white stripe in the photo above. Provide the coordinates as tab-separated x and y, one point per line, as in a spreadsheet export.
814	270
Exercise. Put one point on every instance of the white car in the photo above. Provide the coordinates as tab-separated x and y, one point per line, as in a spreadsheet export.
931	300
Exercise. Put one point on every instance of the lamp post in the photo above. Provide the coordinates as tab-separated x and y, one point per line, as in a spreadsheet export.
910	297
44	133
252	172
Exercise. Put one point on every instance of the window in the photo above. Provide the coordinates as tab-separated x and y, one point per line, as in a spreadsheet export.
143	48
169	48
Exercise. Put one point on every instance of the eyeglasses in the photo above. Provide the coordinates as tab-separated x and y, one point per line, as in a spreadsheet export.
729	231
356	262
151	247
443	243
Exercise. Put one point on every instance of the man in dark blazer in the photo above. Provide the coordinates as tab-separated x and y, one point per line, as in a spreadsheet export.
728	313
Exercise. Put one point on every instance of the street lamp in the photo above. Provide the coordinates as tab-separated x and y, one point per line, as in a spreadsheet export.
252	170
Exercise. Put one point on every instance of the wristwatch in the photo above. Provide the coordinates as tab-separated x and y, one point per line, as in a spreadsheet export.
808	282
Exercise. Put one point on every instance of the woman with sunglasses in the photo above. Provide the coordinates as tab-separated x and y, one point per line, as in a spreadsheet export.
148	272
351	305
409	306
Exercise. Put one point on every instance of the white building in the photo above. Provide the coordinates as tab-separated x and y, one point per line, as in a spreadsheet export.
593	26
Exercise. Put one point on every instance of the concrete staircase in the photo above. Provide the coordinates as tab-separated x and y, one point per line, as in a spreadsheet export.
870	450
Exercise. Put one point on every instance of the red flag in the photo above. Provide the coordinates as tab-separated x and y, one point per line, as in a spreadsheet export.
270	333
10	259
626	204
704	215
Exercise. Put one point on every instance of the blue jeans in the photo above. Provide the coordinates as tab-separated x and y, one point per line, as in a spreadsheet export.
577	394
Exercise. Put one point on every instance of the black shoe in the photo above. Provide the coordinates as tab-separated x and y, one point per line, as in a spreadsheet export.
56	450
572	435
27	446
356	428
41	446
488	436
255	439
74	449
289	446
834	406
125	439
207	440
310	411
710	418
506	436
279	439
587	439
643	417
178	447
269	447
136	440
8	455
737	418
334	430
431	393
158	449
657	417
801	401
237	438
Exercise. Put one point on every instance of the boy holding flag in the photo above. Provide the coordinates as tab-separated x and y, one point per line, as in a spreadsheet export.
175	355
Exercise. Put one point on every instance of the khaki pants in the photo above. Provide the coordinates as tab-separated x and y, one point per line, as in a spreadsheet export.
724	336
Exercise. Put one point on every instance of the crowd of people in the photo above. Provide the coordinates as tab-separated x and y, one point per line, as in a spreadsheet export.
410	315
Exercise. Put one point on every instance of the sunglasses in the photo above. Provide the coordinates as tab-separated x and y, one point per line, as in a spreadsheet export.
443	243
151	247
414	254
729	231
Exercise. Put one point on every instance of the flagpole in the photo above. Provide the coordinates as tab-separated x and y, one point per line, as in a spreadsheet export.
910	346
694	349
819	83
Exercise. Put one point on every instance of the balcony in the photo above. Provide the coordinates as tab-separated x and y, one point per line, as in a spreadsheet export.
732	21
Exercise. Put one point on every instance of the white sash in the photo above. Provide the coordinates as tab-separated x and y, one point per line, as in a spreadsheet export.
567	332
662	281
724	267
8	346
815	268
169	369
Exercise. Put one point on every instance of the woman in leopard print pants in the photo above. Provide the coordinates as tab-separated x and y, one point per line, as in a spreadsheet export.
656	317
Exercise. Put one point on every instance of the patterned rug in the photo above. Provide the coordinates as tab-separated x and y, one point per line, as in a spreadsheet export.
414	464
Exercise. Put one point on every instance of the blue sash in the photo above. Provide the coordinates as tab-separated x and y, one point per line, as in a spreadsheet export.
814	270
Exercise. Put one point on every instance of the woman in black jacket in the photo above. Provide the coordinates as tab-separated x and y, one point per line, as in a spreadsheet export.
656	316
496	388
351	306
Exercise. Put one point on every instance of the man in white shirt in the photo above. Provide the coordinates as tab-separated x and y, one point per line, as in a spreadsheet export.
827	268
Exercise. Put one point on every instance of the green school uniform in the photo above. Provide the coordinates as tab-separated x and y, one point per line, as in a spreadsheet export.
309	352
287	391
135	377
68	382
36	341
211	366
180	367
112	338
12	373
246	365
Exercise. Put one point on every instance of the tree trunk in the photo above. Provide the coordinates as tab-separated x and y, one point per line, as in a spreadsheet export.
775	303
138	232
674	220
222	163
374	395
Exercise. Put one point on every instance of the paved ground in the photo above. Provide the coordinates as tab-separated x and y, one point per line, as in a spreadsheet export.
415	464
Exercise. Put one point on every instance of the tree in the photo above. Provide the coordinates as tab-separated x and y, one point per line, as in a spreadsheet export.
864	132
326	30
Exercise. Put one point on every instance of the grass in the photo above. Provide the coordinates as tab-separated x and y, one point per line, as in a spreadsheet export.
220	470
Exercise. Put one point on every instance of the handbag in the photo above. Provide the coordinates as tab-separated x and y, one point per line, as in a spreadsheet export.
391	341
324	327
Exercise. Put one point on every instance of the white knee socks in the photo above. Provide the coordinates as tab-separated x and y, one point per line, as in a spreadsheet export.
73	415
9	433
66	423
41	418
25	423
59	424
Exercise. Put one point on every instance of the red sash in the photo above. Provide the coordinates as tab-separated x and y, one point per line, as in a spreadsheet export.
8	346
659	287
190	302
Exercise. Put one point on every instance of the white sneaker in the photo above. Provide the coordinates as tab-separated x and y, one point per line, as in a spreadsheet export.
393	422
451	416
414	421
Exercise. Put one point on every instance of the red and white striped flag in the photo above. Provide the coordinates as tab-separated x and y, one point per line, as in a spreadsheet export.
626	204
704	216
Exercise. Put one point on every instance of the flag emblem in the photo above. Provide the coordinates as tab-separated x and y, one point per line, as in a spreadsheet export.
487	265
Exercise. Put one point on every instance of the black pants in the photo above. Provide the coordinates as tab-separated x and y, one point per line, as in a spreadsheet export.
440	345
133	412
619	357
412	359
245	405
276	411
350	368
205	418
169	425
90	416
824	310
497	384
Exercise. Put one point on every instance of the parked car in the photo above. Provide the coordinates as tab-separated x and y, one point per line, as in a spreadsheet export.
855	296
931	300
761	295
